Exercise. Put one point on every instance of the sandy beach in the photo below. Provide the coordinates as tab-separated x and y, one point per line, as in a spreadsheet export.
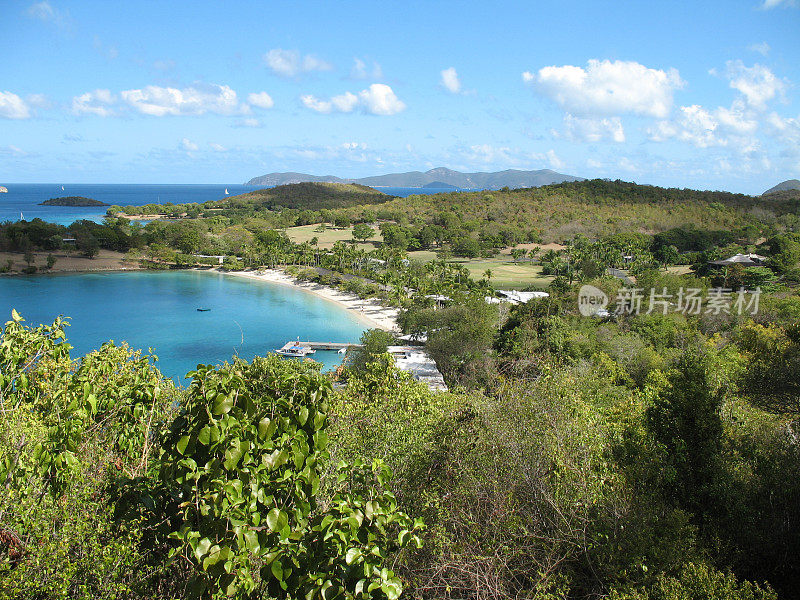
371	312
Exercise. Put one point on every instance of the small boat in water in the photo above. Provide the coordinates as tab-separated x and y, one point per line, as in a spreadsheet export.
226	191
203	309
295	349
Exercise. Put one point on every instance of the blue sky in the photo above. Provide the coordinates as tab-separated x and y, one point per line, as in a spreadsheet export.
685	94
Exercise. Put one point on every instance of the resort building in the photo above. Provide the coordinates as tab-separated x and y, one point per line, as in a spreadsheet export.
421	366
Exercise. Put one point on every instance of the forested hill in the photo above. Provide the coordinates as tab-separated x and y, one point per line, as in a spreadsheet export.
594	208
310	196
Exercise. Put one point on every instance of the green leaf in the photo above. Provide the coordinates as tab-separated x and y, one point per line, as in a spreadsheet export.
232	456
277	570
266	427
251	541
277	519
182	443
302	416
402	538
223	403
204	437
352	555
392	588
202	548
15	316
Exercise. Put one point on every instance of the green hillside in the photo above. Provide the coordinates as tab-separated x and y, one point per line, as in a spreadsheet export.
310	196
595	208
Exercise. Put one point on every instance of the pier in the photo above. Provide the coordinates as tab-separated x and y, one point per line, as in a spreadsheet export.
335	346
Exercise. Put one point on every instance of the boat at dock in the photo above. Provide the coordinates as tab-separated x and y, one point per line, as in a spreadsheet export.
295	349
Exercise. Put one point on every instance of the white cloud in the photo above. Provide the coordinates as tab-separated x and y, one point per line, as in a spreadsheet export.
785	130
701	127
608	88
44	11
768	4
98	102
194	100
315	104
188	145
218	147
486	153
593	130
450	80
289	63
12	150
554	160
757	84
250	122
13	107
38	100
261	100
360	71
345	102
736	119
762	48
378	99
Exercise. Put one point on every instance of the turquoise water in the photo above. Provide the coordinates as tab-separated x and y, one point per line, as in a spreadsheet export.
159	310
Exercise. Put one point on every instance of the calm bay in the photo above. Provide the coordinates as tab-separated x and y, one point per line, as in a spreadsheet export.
159	310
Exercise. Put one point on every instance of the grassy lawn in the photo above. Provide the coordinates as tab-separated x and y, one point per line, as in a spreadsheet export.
327	238
679	270
422	255
505	273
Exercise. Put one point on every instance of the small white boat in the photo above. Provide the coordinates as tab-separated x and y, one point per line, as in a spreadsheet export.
62	188
226	191
295	349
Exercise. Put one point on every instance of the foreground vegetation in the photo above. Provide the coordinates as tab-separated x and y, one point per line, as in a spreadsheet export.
649	457
641	455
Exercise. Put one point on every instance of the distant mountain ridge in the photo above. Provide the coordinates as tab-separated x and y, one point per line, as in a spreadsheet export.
512	178
789	184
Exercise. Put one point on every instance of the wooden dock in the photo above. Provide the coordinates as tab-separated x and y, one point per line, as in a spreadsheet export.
335	346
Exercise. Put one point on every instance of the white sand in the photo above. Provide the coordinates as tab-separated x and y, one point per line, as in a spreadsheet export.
370	312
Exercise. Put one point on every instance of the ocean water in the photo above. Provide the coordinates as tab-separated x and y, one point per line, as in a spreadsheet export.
159	310
24	198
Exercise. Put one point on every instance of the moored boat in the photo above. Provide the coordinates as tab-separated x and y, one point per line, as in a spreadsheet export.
295	349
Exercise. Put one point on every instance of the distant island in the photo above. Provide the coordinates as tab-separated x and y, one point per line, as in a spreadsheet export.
72	201
439	185
511	178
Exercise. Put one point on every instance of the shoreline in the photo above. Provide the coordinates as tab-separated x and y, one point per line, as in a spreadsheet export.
371	311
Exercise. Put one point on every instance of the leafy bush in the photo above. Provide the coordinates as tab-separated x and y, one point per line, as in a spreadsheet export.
245	460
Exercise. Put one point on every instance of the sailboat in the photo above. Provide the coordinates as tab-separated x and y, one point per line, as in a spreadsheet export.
62	188
21	217
226	191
